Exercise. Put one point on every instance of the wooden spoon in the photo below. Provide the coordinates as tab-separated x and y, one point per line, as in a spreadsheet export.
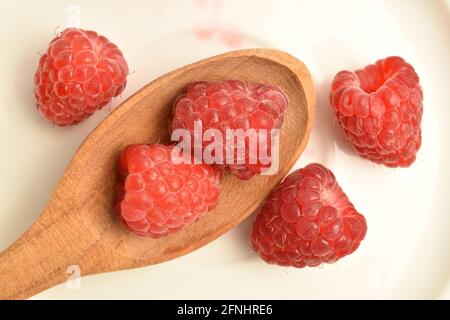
78	226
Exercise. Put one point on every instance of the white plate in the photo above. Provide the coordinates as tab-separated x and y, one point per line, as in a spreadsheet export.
405	254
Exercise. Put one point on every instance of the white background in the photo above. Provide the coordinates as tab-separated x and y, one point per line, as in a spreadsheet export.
405	254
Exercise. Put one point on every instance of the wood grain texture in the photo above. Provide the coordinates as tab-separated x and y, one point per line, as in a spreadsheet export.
78	226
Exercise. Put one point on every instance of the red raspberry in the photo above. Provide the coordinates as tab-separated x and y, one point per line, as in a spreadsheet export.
79	74
380	109
232	104
307	220
156	197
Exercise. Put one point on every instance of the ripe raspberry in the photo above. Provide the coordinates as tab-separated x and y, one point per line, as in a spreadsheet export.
79	74
380	109
233	104
156	197
307	220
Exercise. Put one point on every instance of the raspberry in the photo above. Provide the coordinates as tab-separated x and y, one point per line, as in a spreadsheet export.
380	109
233	104
307	220
156	197
79	74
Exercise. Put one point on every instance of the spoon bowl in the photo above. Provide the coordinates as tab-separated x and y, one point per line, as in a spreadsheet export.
78	227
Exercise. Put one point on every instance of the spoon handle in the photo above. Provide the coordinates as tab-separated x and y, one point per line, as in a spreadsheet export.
52	251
